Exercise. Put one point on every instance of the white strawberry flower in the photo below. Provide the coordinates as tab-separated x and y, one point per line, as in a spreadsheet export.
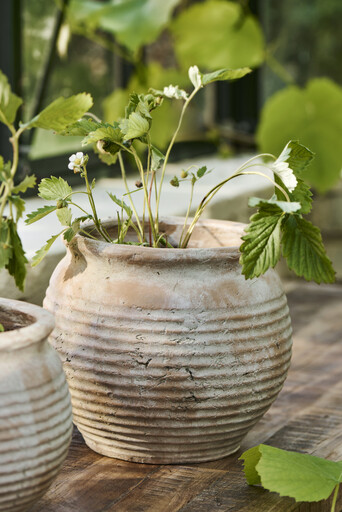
195	77
173	91
76	161
286	174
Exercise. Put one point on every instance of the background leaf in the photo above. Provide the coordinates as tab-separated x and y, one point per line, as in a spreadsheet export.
133	22
217	34
312	115
9	102
42	252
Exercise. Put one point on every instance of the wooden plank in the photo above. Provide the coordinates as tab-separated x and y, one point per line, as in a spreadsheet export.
307	417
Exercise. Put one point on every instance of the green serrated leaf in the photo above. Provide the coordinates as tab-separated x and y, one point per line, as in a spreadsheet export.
16	265
9	102
261	247
135	126
299	476
64	216
121	203
5	244
82	127
5	170
225	74
108	133
39	214
201	171
284	206
19	205
62	112
28	182
42	252
54	189
304	250
297	156
303	195
73	229
157	158
251	458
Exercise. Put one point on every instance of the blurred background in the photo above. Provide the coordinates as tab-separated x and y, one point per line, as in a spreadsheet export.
110	47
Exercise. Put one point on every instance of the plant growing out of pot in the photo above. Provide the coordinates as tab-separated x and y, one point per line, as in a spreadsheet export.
278	226
172	349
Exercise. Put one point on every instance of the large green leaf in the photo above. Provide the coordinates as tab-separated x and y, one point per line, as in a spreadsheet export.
304	250
5	245
217	34
9	102
108	133
297	475
63	112
312	115
133	22
54	189
260	249
16	265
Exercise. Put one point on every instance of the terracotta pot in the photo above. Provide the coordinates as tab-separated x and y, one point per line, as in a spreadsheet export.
170	354
35	407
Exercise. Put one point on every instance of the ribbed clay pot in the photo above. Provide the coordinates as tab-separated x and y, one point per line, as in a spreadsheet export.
35	407
171	355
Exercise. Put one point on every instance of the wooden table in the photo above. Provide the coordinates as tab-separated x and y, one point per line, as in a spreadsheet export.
307	417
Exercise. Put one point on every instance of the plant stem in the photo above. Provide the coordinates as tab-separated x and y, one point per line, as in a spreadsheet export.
97	223
123	174
141	171
187	101
334	501
188	212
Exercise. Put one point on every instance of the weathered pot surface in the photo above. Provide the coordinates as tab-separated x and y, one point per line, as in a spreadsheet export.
35	406
170	354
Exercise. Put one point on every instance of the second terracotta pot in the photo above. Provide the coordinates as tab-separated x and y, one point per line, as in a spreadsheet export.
170	354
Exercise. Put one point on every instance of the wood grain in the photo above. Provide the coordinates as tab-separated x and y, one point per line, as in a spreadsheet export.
307	417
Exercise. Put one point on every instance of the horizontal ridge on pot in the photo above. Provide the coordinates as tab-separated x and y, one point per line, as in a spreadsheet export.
171	356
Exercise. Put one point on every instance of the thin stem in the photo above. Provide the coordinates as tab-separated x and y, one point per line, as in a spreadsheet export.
188	212
93	116
123	174
269	179
77	206
334	501
92	205
141	171
187	101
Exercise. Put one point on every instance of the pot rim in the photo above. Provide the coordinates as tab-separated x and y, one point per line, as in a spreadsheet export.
41	326
122	251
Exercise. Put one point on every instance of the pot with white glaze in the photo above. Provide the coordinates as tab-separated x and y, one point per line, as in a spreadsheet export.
170	354
35	407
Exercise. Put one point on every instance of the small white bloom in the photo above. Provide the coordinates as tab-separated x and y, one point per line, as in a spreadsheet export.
195	77
286	175
174	92
76	161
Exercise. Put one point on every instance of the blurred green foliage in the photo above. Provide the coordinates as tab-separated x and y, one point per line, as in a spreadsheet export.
161	39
